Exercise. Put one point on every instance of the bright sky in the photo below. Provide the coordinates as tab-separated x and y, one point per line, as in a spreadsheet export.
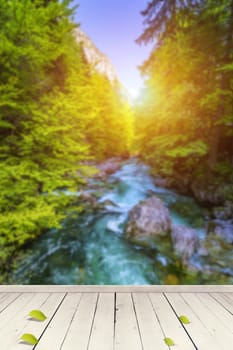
113	26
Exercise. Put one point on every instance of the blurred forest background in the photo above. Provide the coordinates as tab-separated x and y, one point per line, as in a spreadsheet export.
58	114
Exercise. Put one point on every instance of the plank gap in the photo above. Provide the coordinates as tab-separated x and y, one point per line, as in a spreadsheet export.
156	315
72	318
8	302
115	316
56	310
139	331
177	316
92	324
221	302
220	313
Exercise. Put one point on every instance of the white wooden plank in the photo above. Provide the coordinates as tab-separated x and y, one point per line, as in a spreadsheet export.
49	307
16	306
114	288
226	302
2	295
80	328
151	333
126	328
21	323
103	327
228	295
214	325
10	334
221	313
169	322
7	299
197	330
55	333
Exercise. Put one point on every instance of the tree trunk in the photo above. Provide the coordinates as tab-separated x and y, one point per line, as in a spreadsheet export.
214	144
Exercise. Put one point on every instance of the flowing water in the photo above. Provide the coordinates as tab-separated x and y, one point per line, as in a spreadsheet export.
92	249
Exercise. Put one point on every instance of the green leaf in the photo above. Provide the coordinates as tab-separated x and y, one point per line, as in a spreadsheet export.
169	341
29	338
37	315
184	319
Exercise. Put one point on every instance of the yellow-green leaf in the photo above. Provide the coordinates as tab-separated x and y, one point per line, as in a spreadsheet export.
184	319
37	315
29	338
169	341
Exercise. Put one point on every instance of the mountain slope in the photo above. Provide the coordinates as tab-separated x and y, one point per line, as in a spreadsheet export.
94	56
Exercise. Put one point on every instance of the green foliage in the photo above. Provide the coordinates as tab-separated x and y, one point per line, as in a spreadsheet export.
187	102
55	115
223	169
39	154
109	131
196	148
160	18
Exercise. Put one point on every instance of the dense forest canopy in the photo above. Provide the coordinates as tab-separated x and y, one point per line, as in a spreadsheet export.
55	114
185	122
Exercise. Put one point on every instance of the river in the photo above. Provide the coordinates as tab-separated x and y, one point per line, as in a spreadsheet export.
92	249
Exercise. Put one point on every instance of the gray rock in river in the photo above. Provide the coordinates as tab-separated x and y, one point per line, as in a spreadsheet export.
218	258
185	242
108	167
222	228
147	219
151	219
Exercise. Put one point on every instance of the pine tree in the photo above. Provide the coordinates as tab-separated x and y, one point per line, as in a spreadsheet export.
42	146
161	17
189	93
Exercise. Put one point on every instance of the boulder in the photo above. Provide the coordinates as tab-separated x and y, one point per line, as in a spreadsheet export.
213	194
206	194
108	167
185	242
222	228
149	218
219	256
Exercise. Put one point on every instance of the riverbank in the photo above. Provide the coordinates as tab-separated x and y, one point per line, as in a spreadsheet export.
215	196
12	253
217	200
92	248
